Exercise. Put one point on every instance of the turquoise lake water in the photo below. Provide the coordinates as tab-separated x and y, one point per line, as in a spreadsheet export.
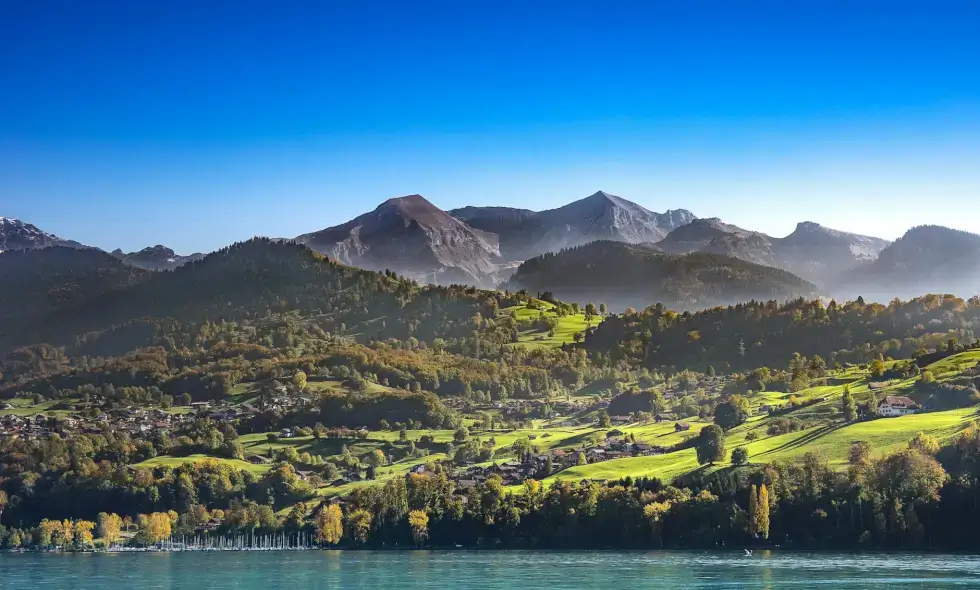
524	570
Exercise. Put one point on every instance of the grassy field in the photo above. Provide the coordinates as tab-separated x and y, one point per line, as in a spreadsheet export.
828	436
565	332
167	461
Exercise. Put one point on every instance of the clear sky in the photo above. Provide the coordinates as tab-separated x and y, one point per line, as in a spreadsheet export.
198	123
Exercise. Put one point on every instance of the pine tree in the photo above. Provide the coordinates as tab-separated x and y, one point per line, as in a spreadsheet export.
847	405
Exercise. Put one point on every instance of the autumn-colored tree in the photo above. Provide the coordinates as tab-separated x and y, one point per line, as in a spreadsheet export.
330	525
109	528
359	522
762	512
49	533
654	514
877	368
534	493
67	533
925	444
377	458
299	380
83	532
419	521
154	528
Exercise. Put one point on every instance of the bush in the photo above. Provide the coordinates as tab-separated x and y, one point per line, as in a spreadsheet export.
784	425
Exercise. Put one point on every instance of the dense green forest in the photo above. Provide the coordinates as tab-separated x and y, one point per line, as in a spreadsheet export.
765	334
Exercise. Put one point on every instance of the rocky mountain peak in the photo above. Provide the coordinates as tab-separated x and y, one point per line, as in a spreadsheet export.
19	235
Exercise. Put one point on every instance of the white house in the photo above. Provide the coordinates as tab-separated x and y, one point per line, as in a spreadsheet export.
896	405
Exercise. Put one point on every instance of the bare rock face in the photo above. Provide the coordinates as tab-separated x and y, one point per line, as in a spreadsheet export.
157	258
415	238
18	235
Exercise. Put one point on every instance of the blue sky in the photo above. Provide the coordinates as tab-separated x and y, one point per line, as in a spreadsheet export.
196	124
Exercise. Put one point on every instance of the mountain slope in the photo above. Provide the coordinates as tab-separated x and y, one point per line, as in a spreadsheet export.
89	299
56	282
698	234
155	258
415	238
818	253
813	252
927	259
600	216
18	235
626	275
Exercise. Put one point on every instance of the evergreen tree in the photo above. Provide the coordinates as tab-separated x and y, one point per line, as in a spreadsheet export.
847	405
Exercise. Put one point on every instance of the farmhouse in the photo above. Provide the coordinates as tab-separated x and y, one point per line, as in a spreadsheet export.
896	405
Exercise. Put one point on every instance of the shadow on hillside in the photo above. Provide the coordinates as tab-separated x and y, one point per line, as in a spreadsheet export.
806	439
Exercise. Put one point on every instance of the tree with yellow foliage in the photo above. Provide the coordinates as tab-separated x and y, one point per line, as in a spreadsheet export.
330	525
534	493
762	512
299	380
154	528
67	533
83	532
50	533
359	522
654	514
109	528
419	521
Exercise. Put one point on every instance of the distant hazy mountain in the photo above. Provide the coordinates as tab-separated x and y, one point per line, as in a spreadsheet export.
155	258
927	259
18	235
600	216
698	234
818	253
412	236
629	275
814	252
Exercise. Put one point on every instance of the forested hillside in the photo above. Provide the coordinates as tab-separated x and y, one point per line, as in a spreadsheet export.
758	334
626	275
87	299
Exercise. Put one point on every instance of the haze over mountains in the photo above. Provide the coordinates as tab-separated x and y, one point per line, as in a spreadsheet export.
686	261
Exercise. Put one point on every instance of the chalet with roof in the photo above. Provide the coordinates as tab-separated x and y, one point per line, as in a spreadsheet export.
892	406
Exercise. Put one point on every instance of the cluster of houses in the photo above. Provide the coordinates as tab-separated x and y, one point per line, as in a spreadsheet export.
545	464
137	422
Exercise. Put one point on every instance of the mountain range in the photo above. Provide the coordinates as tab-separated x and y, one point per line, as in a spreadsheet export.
155	258
493	247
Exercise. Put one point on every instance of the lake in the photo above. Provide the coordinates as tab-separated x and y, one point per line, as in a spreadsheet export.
524	570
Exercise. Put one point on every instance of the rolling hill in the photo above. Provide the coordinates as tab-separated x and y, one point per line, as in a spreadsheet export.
626	275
